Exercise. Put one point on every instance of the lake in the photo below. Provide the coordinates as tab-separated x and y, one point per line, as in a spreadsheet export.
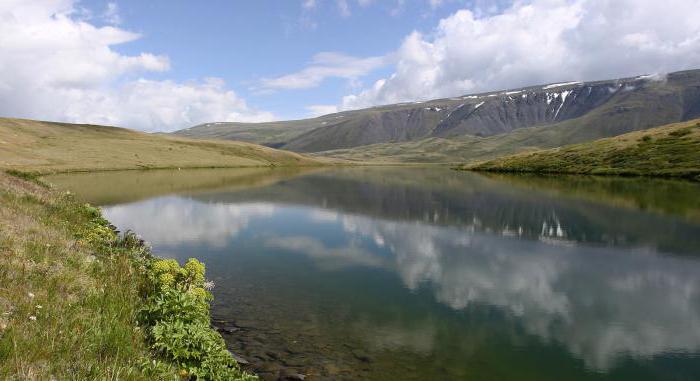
428	273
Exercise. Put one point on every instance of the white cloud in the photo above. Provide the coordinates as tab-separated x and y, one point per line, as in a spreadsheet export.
56	66
159	105
319	110
539	41
324	65
111	14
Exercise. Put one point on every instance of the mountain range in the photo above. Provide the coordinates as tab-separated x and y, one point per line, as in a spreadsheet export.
480	126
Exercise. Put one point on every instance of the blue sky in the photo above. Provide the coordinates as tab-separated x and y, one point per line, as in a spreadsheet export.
163	65
244	41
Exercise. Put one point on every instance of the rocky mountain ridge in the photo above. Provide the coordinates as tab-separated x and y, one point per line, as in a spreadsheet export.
609	107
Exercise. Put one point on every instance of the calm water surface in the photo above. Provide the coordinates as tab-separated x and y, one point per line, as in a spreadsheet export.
431	274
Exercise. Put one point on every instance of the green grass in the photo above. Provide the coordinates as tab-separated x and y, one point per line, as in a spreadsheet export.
34	146
465	148
72	294
667	151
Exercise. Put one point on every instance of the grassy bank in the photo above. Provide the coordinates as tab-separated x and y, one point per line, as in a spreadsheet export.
668	151
45	147
78	301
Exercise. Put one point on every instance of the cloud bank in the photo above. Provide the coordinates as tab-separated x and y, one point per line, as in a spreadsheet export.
57	65
539	41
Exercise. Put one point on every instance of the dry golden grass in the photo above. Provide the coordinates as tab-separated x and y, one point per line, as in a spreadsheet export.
45	147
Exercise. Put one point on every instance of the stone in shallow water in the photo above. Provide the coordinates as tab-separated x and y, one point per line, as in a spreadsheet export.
239	359
360	355
227	330
290	375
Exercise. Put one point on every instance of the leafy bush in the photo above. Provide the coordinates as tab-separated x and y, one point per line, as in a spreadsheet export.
177	314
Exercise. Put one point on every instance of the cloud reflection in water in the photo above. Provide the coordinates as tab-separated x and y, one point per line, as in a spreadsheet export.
599	302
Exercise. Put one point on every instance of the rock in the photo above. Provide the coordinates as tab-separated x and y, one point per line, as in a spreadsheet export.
239	359
291	375
227	330
362	356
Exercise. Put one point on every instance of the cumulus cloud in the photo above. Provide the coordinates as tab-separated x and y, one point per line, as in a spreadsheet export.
539	41
319	110
324	65
55	65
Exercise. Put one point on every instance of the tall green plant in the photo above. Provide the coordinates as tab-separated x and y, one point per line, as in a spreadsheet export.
177	314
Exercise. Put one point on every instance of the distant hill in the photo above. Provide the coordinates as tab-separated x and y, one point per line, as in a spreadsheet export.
30	145
556	114
672	150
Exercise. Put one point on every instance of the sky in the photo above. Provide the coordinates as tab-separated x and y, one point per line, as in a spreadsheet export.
163	65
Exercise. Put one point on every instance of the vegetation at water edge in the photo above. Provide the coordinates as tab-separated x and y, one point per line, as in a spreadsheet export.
79	301
668	151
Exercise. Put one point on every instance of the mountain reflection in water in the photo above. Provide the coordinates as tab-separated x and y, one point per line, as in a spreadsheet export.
435	273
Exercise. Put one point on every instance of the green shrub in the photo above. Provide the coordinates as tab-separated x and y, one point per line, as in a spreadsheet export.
177	316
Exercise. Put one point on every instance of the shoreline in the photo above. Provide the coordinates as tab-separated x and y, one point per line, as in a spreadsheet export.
692	176
670	151
158	323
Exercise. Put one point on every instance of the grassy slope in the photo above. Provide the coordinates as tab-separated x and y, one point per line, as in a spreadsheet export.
403	128
471	148
672	150
455	150
260	133
72	293
65	312
29	145
607	120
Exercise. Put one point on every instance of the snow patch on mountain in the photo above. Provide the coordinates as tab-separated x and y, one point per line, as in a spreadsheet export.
560	85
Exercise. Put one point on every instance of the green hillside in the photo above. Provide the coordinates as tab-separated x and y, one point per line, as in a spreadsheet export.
671	151
29	145
470	148
479	126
